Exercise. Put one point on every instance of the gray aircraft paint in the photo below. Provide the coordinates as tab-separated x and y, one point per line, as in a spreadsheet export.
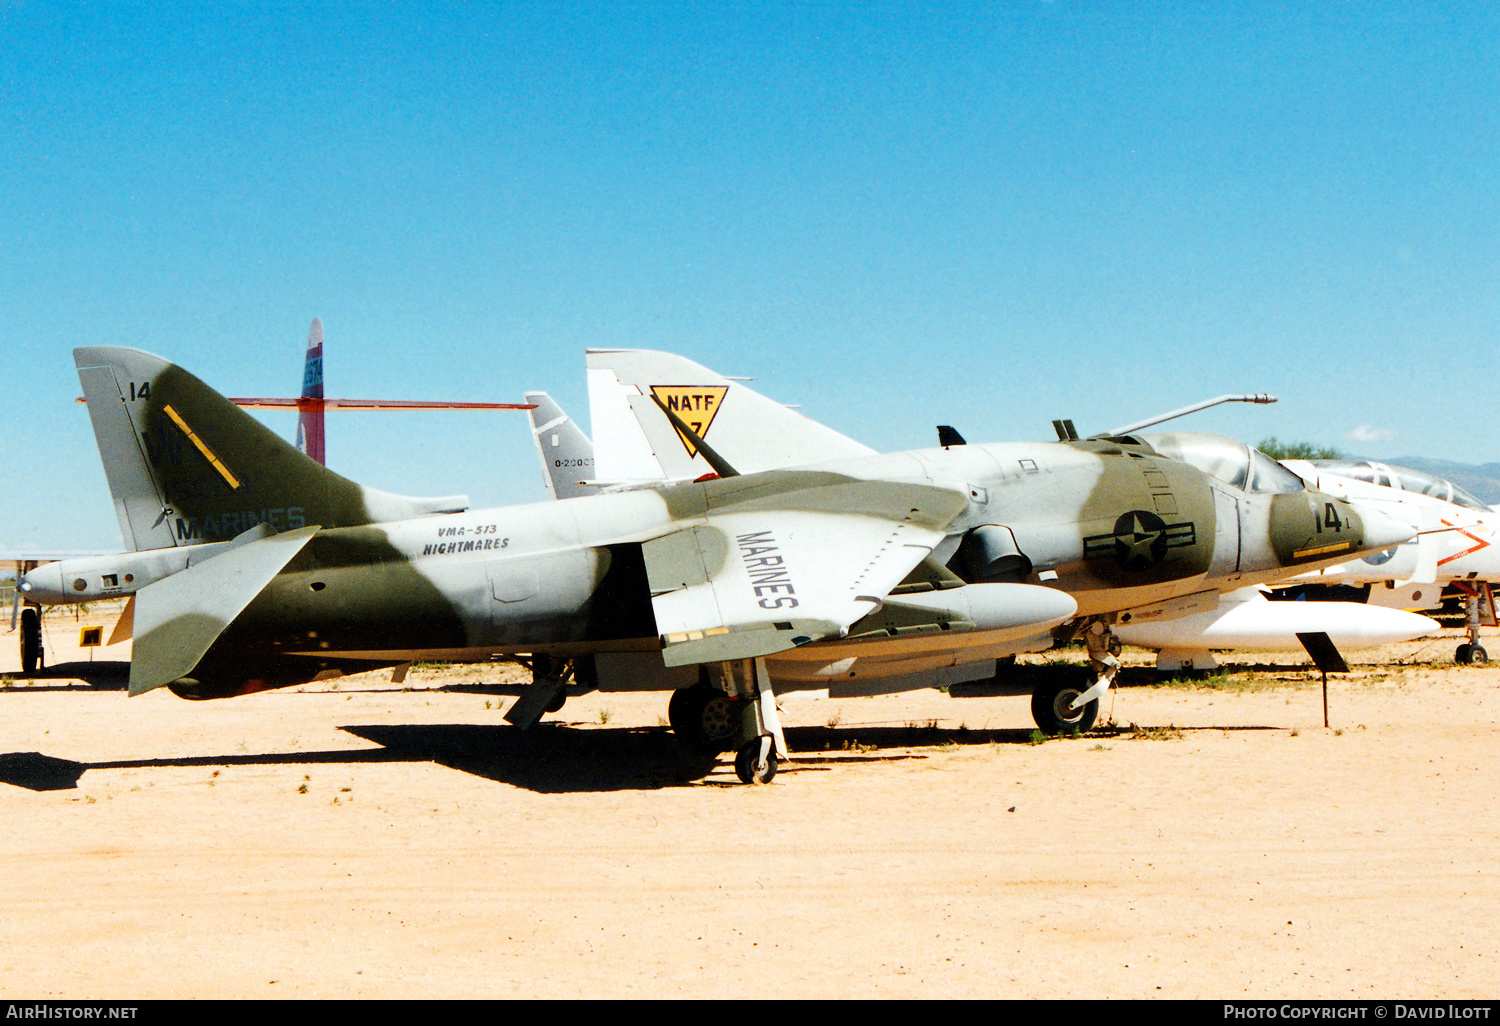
379	581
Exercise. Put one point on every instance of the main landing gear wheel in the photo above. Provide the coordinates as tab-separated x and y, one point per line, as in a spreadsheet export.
1471	654
31	640
1050	707
756	762
703	717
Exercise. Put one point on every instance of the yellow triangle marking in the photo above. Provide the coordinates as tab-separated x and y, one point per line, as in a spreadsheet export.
696	405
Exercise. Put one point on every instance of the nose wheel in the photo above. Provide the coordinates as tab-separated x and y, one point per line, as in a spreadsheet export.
1052	708
1471	655
1471	652
1070	708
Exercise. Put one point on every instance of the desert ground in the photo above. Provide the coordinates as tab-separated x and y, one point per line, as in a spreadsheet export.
359	838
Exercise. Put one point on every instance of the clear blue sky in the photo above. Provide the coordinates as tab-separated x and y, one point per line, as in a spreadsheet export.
896	215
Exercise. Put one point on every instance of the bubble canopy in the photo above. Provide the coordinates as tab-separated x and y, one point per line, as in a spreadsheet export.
1225	459
1406	479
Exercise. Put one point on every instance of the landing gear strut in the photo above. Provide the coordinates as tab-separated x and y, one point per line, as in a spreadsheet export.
760	743
1071	708
547	693
1471	652
732	708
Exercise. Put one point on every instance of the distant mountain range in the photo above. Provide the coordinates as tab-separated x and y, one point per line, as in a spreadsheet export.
1482	479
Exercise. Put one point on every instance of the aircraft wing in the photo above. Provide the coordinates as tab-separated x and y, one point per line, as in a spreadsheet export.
752	582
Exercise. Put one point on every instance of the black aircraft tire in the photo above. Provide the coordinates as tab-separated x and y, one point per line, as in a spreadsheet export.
749	768
1468	654
703	718
31	640
677	710
1049	707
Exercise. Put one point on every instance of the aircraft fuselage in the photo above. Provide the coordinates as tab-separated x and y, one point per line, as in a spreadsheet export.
1115	527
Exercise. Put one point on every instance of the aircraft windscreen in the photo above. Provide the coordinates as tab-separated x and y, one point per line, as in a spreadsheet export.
1271	477
1217	456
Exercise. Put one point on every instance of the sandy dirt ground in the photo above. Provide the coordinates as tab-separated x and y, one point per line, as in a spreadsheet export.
363	839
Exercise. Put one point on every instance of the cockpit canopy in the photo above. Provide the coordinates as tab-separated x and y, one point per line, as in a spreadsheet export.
1235	463
1404	478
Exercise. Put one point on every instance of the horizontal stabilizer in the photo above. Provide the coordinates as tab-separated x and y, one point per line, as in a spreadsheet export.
178	619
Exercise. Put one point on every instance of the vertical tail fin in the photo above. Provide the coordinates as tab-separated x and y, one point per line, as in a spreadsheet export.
566	452
753	433
310	406
186	466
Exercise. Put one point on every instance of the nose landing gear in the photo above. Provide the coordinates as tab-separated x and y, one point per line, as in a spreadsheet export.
1471	652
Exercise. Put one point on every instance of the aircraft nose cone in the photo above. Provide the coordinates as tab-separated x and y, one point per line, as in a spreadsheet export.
42	584
1382	531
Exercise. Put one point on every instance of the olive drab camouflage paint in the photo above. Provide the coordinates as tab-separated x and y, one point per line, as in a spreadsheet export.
267	569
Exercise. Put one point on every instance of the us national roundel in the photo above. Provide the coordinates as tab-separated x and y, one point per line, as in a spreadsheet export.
1140	540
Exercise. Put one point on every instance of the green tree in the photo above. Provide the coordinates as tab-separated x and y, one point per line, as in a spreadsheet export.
1279	450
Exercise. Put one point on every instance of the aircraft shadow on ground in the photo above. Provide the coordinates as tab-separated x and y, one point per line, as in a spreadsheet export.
101	676
557	758
35	771
551	758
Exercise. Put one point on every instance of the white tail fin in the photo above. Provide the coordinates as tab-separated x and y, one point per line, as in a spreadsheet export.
566	452
633	439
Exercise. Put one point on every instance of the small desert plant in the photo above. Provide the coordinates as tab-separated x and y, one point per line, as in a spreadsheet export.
1167	733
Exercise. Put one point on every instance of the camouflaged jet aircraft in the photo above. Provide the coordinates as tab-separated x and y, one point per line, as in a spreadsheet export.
1136	528
254	567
